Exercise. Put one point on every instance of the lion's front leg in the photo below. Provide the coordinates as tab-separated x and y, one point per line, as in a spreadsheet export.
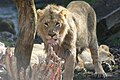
69	66
99	72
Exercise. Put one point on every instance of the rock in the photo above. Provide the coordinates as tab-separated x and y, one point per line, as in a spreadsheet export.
104	7
8	12
6	2
108	20
7	25
113	40
108	25
116	53
42	3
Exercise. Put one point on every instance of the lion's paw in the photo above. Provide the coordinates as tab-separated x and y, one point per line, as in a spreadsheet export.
79	69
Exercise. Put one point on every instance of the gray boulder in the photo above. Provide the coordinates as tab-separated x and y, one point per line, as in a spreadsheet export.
109	25
7	25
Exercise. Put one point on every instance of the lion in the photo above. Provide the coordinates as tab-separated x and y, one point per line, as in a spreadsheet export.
85	59
70	30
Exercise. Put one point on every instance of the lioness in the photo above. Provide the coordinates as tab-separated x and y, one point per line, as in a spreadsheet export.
70	29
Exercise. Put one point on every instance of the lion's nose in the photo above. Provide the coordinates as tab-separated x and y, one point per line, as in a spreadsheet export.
51	34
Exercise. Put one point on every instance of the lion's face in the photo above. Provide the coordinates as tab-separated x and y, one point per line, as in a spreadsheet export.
52	25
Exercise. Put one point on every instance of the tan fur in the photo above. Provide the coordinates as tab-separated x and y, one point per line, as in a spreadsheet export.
86	59
105	54
76	31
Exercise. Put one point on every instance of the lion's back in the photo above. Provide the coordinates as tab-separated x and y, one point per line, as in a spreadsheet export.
85	20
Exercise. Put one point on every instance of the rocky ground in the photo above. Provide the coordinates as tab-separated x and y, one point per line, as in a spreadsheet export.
114	75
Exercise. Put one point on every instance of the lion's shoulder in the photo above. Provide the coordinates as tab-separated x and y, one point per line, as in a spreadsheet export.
79	6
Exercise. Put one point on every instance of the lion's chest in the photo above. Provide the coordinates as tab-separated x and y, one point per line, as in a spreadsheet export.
61	51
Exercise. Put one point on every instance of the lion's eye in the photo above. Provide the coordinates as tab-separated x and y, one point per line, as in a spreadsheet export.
46	24
57	24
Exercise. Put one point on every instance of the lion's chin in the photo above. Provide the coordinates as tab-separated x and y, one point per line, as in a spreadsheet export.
52	41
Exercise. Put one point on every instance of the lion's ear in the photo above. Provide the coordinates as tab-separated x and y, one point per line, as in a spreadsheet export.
63	12
39	13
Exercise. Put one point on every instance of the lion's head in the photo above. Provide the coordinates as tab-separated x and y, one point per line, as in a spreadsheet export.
52	25
105	54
